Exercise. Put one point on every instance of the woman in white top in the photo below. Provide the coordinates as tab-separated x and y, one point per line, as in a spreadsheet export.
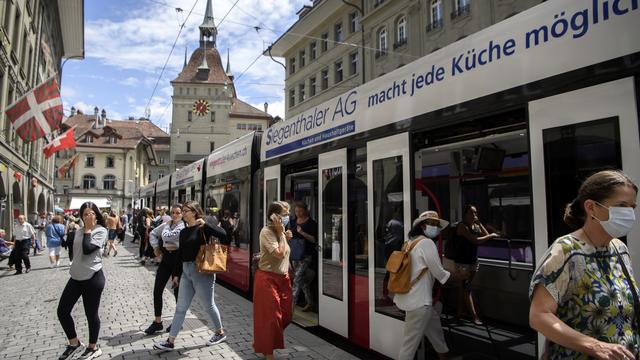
421	317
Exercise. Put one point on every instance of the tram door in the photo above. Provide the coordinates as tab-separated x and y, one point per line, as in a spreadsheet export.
332	229
389	217
271	187
573	135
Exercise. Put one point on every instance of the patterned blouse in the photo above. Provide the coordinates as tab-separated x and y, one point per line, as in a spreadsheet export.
591	291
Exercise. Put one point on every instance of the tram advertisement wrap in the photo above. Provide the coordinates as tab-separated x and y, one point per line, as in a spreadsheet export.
546	40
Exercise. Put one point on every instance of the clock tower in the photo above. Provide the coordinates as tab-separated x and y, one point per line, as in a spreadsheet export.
206	111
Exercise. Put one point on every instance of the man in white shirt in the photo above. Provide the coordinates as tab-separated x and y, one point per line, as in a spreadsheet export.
24	236
421	318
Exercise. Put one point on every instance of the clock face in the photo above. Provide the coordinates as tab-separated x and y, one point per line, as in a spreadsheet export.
201	107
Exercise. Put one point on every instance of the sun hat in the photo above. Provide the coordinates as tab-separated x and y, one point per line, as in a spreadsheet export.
430	214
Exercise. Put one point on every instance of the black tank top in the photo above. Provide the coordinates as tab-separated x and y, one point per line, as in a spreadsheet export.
466	252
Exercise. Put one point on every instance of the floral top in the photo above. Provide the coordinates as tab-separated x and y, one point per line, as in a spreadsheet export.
592	293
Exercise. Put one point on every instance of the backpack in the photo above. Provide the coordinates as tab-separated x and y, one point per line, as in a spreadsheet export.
399	268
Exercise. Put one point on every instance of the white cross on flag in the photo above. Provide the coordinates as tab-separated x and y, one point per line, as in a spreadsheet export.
38	112
64	141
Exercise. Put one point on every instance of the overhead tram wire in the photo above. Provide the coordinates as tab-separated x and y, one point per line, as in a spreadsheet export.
169	56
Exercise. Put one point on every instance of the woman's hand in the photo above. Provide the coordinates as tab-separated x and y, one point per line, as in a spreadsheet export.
157	252
175	280
200	222
288	234
277	224
89	222
606	351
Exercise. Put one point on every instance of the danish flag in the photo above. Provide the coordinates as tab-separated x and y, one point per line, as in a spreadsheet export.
64	141
37	113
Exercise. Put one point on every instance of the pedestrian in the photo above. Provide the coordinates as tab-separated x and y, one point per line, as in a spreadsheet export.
421	316
468	235
123	226
6	247
55	237
41	236
145	227
272	298
87	280
304	254
72	227
583	297
165	241
113	224
192	282
24	236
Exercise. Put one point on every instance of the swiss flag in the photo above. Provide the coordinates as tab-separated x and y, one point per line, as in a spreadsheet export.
38	112
64	141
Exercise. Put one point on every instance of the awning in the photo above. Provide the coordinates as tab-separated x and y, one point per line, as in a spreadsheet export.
76	202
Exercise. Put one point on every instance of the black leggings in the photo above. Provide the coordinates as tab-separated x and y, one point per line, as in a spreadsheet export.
91	291
21	253
162	276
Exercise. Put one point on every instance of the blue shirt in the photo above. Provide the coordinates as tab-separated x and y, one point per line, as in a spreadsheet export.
54	233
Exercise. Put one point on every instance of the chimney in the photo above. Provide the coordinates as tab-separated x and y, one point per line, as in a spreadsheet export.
73	111
266	106
103	115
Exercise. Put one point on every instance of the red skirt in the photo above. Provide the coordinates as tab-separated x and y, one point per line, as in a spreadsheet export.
271	311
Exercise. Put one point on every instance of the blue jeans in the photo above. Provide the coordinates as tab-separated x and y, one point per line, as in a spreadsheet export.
37	247
194	283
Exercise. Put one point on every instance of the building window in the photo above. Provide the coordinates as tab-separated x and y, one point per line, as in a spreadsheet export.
302	58
16	32
312	51
292	97
325	41
149	178
188	146
212	146
109	182
338	74
301	92
88	182
353	63
292	65
312	86
88	139
189	115
241	126
353	22
339	36
113	140
382	42
7	12
461	8
88	161
377	3
325	79
160	174
401	31
162	160
110	162
436	15
259	128
213	116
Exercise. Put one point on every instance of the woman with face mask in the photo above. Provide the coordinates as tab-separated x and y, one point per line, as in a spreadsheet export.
583	297
421	318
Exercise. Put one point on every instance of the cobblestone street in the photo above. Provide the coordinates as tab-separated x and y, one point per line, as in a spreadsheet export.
30	329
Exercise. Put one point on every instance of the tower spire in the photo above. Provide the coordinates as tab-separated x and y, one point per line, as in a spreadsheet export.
185	56
228	70
208	31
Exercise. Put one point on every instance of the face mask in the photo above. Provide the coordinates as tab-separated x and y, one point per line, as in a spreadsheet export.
431	231
285	220
621	220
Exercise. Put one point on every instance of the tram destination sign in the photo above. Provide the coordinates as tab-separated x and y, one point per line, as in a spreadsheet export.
551	38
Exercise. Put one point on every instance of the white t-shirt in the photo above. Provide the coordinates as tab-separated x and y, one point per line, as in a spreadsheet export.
425	253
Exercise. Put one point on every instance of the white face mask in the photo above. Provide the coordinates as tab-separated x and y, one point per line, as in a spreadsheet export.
621	220
431	231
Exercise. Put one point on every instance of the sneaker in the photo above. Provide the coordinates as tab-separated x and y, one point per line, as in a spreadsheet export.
91	353
216	339
169	328
28	270
71	351
17	273
153	328
164	345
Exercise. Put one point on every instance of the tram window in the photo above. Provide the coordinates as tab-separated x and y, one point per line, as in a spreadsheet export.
358	212
230	194
332	242
388	224
571	154
272	190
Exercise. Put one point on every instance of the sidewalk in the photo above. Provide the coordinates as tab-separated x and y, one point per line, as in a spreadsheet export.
29	326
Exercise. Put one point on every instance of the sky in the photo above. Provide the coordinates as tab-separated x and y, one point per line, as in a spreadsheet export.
128	42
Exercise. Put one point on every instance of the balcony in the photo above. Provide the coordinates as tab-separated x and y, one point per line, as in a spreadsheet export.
400	43
461	11
435	25
380	53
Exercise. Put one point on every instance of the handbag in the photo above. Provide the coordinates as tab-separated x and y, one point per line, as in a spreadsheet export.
212	256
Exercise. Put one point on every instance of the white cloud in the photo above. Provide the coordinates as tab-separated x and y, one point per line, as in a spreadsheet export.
130	81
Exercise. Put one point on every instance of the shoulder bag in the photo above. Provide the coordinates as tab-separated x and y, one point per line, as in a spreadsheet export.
212	256
635	322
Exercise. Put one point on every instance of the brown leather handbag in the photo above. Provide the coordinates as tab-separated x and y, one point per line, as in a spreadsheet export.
212	256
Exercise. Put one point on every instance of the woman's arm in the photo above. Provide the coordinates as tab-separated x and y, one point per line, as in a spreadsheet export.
542	318
463	231
216	231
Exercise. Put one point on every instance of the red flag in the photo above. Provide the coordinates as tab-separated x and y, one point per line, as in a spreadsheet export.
68	165
38	112
64	141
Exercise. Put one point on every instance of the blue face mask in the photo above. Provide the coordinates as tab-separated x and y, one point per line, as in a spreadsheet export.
285	220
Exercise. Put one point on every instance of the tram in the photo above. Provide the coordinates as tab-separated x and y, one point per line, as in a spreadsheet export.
509	119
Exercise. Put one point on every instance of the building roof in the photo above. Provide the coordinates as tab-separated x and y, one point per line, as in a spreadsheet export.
241	109
217	74
130	132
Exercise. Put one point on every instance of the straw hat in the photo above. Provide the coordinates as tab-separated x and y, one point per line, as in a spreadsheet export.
430	214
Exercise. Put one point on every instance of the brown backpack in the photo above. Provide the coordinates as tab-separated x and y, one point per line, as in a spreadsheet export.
399	268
